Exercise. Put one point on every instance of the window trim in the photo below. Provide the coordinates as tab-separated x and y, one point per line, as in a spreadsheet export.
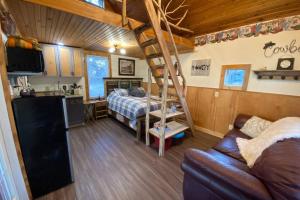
86	80
246	67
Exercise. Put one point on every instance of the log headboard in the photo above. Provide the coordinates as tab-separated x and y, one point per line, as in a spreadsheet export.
126	83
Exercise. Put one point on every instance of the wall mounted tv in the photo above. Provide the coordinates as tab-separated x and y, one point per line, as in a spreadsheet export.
24	60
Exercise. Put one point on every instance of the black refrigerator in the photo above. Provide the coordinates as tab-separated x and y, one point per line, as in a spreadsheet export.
42	127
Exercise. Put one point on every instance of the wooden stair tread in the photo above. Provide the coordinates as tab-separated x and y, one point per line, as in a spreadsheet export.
154	67
148	43
142	28
156	98
158	114
154	55
174	128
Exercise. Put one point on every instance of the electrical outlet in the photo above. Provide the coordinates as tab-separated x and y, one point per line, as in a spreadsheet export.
216	94
230	127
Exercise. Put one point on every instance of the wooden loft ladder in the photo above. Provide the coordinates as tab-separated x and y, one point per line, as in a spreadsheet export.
154	49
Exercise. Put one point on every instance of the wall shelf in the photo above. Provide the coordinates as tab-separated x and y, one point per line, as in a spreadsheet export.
282	74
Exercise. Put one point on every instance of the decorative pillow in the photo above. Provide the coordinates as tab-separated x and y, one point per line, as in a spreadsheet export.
255	126
121	92
279	169
137	92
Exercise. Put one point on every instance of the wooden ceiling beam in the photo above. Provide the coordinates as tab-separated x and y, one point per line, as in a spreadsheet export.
78	7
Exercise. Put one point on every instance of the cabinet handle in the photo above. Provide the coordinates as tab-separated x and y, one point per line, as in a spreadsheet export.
72	73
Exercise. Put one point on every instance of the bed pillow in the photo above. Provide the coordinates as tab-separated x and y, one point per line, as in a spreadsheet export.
255	126
121	92
137	92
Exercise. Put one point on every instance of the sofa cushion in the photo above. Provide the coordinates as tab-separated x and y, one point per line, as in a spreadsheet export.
279	169
255	126
229	146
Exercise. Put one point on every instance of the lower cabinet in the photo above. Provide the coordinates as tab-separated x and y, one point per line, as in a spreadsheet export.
75	111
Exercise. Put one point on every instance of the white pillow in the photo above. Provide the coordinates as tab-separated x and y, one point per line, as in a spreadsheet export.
255	126
285	128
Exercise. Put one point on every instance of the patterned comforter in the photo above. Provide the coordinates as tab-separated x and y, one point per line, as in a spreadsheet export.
129	106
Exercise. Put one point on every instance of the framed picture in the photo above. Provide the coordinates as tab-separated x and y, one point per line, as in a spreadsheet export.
285	64
126	67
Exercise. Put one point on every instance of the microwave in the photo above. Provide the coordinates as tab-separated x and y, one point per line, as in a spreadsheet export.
20	60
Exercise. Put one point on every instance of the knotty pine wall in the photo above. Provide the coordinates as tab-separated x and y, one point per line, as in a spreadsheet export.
214	110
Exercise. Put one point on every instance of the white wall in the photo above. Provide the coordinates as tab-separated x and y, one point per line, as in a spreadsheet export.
140	66
42	83
10	150
243	51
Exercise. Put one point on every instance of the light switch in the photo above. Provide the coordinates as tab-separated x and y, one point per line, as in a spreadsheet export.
216	94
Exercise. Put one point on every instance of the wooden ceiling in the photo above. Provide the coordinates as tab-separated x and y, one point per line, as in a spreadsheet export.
207	16
53	26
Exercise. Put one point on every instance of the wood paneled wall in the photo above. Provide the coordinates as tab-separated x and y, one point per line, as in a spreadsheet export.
214	110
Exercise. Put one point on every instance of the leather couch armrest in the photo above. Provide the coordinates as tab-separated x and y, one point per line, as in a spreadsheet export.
225	180
240	120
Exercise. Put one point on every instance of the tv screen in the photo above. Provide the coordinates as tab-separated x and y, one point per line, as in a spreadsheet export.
24	60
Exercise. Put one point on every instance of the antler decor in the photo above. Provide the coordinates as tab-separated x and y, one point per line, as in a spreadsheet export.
176	20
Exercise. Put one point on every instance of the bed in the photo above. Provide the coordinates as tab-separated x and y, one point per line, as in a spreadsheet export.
129	110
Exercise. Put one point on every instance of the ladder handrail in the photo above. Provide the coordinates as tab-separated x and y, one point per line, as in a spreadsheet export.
173	44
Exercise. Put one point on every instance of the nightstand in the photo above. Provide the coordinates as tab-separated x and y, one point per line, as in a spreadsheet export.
101	109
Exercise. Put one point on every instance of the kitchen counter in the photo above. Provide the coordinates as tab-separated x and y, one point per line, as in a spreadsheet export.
73	96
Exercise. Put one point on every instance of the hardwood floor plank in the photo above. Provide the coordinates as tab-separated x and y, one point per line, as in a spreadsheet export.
110	164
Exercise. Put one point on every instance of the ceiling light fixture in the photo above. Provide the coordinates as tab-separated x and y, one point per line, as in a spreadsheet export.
111	49
60	44
123	51
116	48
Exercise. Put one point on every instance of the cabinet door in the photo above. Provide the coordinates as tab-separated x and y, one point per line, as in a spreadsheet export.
50	59
78	62
65	61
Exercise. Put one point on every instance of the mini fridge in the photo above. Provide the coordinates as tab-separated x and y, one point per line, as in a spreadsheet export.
42	127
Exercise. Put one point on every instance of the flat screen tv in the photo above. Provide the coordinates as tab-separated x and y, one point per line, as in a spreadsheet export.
24	60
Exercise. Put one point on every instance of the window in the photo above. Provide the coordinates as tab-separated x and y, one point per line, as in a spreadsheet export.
99	3
235	77
97	69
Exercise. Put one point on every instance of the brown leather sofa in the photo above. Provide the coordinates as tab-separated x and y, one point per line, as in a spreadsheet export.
221	172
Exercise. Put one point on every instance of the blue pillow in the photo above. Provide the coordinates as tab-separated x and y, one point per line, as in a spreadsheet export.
137	92
121	92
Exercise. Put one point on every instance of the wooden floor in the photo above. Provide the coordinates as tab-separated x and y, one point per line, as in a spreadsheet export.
110	164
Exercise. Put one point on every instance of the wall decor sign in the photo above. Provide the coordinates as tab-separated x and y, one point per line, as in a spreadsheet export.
285	64
271	48
201	67
263	28
126	67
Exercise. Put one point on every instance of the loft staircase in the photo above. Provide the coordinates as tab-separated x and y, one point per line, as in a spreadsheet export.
168	77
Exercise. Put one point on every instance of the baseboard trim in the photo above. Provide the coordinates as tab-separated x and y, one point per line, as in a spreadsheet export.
210	132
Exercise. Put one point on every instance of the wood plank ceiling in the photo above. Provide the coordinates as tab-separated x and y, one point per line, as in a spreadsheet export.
207	16
53	26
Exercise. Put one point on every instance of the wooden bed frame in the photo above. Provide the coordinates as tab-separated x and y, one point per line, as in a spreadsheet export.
125	83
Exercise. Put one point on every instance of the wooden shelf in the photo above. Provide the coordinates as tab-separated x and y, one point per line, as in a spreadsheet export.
101	109
283	74
158	114
157	98
174	128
